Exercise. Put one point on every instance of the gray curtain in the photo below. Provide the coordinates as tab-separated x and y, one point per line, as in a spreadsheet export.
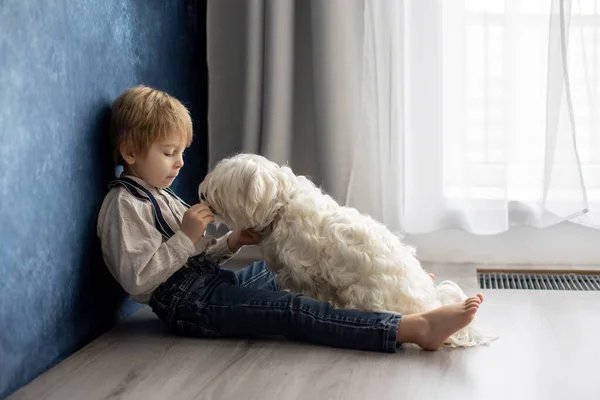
281	76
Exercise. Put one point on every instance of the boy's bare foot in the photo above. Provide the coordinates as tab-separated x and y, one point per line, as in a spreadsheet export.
430	330
432	276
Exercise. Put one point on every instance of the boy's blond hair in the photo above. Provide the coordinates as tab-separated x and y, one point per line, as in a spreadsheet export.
142	115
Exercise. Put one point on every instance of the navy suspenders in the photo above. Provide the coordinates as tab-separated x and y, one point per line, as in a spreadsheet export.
142	193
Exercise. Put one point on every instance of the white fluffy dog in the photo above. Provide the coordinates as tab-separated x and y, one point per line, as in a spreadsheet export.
323	250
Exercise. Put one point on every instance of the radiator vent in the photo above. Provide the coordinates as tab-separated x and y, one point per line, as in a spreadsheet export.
583	281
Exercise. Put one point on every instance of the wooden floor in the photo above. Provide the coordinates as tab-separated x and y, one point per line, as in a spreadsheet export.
548	349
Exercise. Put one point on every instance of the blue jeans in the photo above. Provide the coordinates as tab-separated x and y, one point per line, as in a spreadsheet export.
203	300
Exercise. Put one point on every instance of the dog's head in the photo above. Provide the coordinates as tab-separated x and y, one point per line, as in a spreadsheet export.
246	191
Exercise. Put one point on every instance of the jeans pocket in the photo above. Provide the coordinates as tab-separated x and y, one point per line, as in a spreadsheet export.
193	329
159	309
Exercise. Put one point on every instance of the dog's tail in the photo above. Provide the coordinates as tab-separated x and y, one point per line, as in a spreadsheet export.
473	334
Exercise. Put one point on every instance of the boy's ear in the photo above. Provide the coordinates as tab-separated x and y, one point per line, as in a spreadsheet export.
127	154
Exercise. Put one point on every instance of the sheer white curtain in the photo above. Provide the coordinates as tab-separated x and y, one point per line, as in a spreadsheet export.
479	115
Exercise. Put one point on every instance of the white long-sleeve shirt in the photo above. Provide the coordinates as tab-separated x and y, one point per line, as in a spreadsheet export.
136	253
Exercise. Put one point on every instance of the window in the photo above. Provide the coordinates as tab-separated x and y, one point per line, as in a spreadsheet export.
495	85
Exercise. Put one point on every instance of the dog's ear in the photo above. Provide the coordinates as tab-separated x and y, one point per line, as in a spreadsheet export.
265	193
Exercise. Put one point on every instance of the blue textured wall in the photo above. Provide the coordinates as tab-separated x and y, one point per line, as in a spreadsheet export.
61	64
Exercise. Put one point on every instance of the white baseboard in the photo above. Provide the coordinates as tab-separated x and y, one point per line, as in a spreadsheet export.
564	244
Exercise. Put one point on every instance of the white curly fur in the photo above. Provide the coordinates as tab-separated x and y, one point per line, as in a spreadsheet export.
324	250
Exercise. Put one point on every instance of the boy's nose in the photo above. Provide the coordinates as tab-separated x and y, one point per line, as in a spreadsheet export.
179	162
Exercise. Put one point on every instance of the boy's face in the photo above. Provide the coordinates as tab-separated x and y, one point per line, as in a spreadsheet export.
161	165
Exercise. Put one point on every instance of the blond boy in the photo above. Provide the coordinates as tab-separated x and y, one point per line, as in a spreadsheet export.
156	248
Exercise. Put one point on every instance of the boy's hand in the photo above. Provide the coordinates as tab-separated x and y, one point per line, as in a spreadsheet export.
238	239
195	220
